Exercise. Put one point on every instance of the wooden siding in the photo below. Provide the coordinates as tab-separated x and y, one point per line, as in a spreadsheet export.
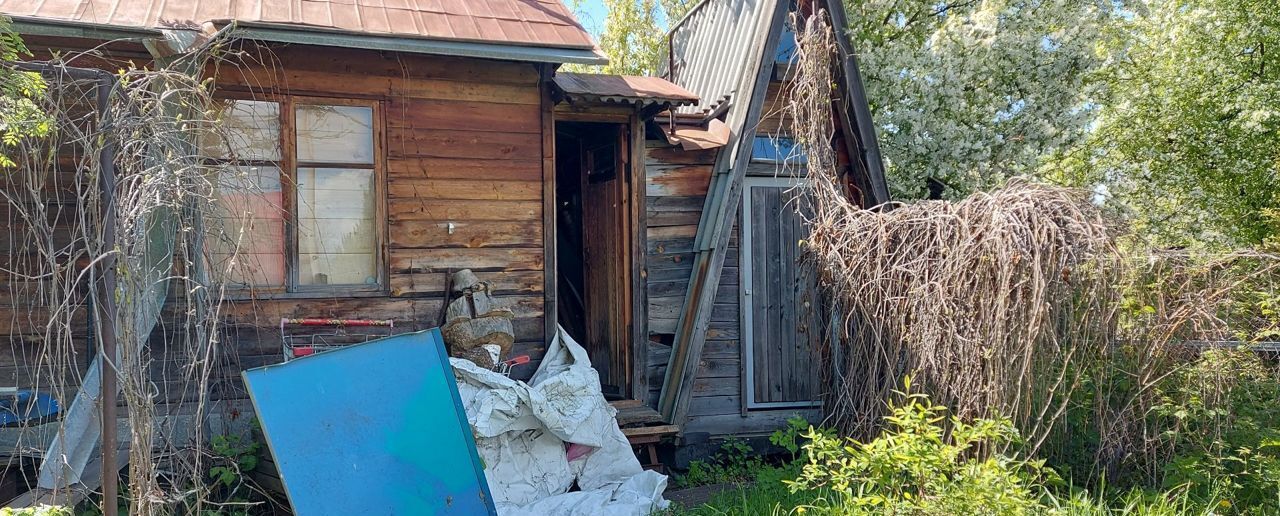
464	182
675	189
463	144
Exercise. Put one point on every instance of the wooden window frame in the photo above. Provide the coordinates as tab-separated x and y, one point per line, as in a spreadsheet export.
288	166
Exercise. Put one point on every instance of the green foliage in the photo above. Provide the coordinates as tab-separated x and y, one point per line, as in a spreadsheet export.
1189	135
1223	416
735	462
917	467
43	510
20	116
235	457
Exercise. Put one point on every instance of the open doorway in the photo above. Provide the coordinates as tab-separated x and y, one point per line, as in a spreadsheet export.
593	246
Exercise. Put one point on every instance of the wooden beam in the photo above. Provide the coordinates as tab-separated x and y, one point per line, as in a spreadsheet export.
549	276
638	182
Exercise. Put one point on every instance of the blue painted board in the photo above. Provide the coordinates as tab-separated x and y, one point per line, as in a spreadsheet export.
373	428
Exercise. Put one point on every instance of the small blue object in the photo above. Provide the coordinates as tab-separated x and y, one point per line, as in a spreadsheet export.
372	428
25	407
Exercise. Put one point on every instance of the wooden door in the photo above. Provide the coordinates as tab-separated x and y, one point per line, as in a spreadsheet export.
781	328
606	246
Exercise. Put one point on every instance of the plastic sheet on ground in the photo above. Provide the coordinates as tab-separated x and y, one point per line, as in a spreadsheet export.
527	434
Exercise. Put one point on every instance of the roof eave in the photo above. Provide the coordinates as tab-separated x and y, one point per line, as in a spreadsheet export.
309	36
29	26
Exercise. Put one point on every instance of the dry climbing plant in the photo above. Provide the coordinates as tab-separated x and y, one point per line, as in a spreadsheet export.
1000	304
167	290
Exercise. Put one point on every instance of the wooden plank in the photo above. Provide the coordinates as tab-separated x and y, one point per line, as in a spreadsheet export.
433	283
448	143
430	234
447	210
651	430
351	61
678	180
763	422
464	115
714	405
672	218
637	267
547	151
412	261
464	189
512	169
323	83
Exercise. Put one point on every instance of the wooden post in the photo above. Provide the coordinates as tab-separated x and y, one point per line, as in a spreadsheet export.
549	278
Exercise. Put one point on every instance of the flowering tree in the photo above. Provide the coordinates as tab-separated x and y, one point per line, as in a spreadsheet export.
968	92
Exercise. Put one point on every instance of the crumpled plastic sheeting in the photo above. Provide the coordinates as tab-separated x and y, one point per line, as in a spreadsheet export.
522	429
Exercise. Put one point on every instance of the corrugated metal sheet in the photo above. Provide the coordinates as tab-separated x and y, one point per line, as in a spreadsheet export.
623	88
713	47
540	23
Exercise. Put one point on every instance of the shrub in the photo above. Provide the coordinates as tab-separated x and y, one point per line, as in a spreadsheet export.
917	467
1223	420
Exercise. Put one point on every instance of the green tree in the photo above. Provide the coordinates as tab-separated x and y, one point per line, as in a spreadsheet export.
20	117
634	34
1188	138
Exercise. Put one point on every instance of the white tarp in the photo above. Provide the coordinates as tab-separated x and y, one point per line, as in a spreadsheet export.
527	434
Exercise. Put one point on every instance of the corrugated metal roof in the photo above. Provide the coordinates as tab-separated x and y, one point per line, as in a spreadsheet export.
712	46
539	23
623	88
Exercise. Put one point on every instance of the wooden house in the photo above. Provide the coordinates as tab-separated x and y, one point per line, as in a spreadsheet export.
398	142
738	313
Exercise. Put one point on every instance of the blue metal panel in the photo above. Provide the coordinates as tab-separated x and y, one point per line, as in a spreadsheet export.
374	428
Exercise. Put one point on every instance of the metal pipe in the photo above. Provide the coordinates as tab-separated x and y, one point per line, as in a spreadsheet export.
107	182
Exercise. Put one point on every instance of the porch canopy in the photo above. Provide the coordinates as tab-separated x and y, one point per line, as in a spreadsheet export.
651	94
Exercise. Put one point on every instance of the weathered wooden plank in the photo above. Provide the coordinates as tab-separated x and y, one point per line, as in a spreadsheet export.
678	180
350	61
714	405
412	261
453	210
429	234
719	367
463	115
673	218
464	189
433	283
321	83
448	143
513	169
761	422
677	155
675	203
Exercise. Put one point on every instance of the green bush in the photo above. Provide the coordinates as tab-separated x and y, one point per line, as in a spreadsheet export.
917	466
43	510
1223	427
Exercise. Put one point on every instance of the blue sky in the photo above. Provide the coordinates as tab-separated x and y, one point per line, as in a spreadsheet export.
591	14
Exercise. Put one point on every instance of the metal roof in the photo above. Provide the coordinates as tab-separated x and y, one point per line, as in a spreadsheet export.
623	88
712	46
533	23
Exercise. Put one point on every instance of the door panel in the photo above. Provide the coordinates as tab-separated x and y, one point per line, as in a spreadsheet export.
780	309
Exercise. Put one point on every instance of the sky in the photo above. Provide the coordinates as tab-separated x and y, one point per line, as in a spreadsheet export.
591	14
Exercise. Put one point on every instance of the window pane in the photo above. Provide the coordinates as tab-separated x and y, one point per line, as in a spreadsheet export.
336	229
777	150
249	245
336	134
249	130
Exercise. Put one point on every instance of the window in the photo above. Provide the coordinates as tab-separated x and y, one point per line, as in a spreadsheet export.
777	149
298	195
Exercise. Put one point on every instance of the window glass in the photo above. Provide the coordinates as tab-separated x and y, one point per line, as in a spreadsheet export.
250	131
250	248
773	149
335	134
336	229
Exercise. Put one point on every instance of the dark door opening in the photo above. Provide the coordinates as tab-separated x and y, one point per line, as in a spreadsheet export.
593	246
